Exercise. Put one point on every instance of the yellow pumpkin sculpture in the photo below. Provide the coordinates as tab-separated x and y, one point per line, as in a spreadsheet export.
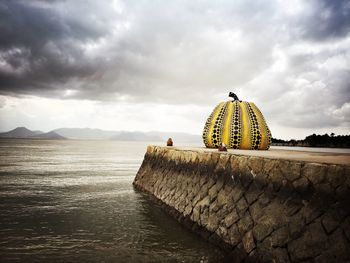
238	124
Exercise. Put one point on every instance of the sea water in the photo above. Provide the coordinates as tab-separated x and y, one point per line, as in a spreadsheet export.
73	201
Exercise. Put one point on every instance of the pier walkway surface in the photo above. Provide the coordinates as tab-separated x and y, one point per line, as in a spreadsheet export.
295	155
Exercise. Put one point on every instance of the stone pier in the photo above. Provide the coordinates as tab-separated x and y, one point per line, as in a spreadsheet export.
260	206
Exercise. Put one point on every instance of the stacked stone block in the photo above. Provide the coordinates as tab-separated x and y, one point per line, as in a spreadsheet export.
259	209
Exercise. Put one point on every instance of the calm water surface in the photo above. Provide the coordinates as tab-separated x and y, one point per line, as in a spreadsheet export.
73	201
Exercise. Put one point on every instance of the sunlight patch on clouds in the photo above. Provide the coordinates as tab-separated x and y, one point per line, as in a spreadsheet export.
292	7
343	113
280	60
69	92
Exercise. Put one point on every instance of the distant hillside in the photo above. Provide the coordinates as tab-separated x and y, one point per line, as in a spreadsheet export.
48	136
24	133
98	134
19	132
136	136
86	133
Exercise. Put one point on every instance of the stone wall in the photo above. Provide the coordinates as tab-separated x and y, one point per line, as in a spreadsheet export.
259	209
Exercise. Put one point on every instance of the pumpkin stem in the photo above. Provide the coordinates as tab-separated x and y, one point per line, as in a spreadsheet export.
234	96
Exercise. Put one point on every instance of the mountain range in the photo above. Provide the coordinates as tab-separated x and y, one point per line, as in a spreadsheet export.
23	132
98	134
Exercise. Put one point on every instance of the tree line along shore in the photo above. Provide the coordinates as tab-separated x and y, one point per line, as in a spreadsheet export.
330	141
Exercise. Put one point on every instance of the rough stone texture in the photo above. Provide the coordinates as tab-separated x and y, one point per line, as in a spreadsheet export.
261	209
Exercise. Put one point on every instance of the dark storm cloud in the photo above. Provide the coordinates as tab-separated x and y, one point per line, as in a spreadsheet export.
41	47
169	47
327	19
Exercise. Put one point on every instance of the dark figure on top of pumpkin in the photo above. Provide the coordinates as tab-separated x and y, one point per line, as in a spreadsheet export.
232	95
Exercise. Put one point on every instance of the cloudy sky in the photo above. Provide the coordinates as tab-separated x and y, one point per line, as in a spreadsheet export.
164	65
